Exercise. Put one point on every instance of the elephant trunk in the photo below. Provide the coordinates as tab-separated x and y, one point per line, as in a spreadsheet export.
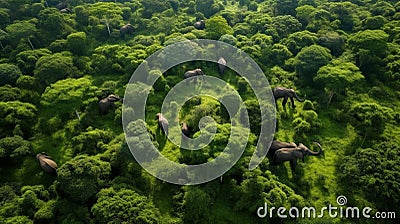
298	98
311	153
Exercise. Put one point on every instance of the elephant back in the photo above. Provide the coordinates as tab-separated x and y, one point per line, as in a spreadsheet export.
47	164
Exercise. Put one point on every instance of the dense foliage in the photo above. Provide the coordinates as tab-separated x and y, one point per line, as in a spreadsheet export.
56	64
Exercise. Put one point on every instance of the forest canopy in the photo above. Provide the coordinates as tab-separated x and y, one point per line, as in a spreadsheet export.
65	66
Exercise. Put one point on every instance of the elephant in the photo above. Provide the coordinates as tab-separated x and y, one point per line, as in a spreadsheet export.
106	103
281	92
193	73
47	164
162	123
126	29
185	130
200	25
275	145
221	65
66	10
292	154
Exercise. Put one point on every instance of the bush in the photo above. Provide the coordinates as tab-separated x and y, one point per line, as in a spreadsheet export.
124	206
82	177
9	74
14	147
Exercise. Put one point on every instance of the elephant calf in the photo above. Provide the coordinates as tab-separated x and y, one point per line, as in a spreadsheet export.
285	93
292	154
106	103
221	65
162	123
193	73
47	164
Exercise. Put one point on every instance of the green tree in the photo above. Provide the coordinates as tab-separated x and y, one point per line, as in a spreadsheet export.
196	206
296	41
153	6
17	117
305	123
374	171
14	147
310	59
207	7
63	99
285	7
285	25
82	15
32	199
303	14
369	47
346	13
82	177
217	26
279	54
77	43
374	23
383	8
124	206
21	30
9	74
374	41
92	141
370	119
333	41
26	60
337	76
320	19
229	39
9	93
54	67
256	190
71	212
4	17
51	22
117	59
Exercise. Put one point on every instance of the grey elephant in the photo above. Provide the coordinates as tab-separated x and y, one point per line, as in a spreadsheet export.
292	154
47	164
285	93
66	11
162	123
185	130
106	103
200	25
275	145
221	65
126	29
193	73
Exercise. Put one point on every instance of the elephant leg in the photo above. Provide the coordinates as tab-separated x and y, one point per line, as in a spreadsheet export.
284	101
292	100
293	163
